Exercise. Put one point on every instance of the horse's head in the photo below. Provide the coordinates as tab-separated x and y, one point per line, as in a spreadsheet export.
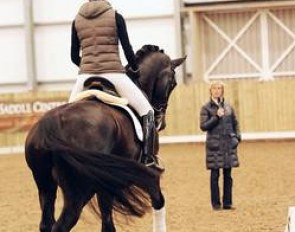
157	79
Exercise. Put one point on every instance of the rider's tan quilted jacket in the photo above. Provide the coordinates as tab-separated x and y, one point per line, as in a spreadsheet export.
97	32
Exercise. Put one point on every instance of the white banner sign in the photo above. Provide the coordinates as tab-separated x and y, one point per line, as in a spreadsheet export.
27	107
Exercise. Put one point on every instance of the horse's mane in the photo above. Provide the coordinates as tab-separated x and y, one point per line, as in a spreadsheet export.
145	51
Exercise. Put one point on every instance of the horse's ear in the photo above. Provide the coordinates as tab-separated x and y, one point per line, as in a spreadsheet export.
175	63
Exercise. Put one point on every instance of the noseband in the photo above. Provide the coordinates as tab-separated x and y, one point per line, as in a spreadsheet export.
160	114
160	109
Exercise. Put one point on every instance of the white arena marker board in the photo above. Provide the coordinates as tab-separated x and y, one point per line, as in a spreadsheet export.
290	227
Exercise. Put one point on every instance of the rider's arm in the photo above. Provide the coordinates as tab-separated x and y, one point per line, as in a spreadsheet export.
124	39
75	46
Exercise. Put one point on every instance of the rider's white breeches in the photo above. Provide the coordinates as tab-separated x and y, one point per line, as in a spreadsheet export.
124	86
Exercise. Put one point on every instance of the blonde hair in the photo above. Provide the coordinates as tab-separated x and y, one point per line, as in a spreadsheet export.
212	83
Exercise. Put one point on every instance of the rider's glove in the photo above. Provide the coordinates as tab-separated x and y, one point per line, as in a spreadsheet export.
132	74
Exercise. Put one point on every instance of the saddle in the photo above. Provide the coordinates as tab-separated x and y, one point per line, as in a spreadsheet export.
100	83
103	90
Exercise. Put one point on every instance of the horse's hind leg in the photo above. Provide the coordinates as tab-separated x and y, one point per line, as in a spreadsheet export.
73	204
68	218
105	206
47	189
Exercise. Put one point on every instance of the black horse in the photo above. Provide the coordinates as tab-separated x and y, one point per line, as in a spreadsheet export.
88	147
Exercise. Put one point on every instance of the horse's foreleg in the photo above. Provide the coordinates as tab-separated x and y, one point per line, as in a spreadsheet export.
159	220
105	206
159	212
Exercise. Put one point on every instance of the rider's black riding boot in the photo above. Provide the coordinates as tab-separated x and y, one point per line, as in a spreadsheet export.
148	155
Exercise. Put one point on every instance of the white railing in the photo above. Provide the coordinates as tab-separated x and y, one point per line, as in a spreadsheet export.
179	139
257	136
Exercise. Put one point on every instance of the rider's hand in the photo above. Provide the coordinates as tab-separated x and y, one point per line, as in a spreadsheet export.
133	74
220	112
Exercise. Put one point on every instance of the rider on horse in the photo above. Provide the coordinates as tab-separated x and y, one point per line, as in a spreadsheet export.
96	31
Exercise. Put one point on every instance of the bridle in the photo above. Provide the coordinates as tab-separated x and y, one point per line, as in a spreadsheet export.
160	113
161	106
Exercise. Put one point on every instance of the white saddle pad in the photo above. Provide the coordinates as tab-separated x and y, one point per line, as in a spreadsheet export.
116	101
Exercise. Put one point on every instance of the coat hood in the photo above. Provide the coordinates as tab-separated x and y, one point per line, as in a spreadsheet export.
94	8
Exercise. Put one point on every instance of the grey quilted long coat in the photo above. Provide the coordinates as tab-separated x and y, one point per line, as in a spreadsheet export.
222	137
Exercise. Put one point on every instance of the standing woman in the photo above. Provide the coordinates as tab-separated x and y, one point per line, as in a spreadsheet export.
218	119
96	32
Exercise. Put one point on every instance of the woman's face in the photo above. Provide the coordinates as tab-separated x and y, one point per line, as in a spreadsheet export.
216	91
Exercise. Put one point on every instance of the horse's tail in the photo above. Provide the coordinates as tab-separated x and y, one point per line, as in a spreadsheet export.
127	181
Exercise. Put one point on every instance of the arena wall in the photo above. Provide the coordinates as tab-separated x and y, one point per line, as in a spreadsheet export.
223	41
261	107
